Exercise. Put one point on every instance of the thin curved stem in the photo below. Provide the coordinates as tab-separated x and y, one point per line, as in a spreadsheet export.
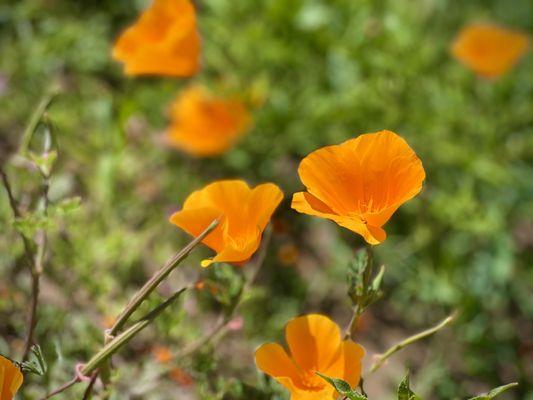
380	359
61	389
155	280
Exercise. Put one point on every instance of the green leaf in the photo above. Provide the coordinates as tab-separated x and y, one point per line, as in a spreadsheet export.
356	272
343	387
44	162
36	363
405	392
495	392
31	223
376	283
66	206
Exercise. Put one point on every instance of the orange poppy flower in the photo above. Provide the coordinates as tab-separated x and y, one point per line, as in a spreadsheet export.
163	41
10	379
162	354
315	346
360	183
244	214
181	377
489	50
205	125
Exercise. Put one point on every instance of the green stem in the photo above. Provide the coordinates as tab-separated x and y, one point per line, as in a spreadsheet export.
117	343
380	359
34	121
36	272
155	280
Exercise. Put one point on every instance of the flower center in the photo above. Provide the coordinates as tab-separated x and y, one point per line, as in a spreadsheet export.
311	381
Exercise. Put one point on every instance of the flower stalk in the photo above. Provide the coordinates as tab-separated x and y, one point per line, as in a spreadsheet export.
155	280
114	345
380	359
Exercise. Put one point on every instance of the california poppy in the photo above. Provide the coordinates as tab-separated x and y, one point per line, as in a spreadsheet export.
315	345
163	41
10	379
203	124
162	354
360	183
489	50
243	212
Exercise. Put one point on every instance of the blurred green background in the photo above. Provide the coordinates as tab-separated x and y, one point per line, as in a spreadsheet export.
327	71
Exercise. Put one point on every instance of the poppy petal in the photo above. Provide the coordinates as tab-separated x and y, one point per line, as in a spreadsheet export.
10	379
347	365
205	125
262	203
273	360
313	340
236	252
195	221
163	41
489	50
360	183
308	204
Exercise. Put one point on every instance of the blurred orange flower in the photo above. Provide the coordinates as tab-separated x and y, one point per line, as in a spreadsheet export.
162	354
205	125
163	41
360	183
288	254
181	377
10	379
244	214
489	50
315	346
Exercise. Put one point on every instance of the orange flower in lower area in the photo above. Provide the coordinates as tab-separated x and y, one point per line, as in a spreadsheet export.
360	183
489	50
205	125
10	379
162	354
181	377
163	41
315	345
243	212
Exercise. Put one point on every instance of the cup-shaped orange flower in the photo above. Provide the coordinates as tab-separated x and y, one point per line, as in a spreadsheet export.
163	41
243	213
315	345
10	379
360	183
489	50
205	125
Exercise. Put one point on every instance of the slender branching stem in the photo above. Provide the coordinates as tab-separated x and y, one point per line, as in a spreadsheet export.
156	279
90	369
62	388
357	310
142	294
37	271
88	391
380	359
28	251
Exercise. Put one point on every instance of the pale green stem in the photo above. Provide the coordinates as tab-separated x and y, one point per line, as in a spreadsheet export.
155	280
34	121
116	344
380	359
